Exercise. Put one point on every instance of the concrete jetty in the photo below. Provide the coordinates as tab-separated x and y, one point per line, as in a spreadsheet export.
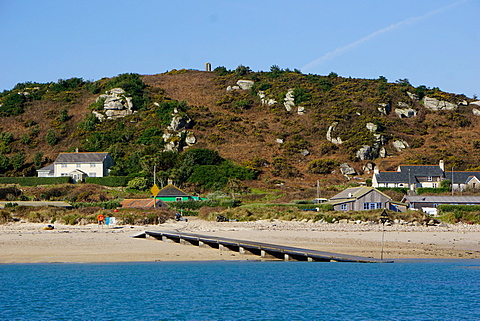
263	250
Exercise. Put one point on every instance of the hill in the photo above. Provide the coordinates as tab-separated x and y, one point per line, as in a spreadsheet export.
284	128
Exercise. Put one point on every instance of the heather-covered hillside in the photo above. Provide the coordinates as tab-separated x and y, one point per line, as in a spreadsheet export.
239	128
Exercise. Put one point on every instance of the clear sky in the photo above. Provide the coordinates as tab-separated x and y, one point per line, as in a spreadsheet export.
435	43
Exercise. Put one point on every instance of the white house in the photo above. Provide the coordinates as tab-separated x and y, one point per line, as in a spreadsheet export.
78	165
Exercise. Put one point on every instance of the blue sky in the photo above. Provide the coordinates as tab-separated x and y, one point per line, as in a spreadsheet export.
435	43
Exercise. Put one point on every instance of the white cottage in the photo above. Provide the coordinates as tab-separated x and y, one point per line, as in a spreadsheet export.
78	166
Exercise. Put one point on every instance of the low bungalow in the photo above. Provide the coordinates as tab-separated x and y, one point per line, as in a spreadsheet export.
360	199
419	202
171	193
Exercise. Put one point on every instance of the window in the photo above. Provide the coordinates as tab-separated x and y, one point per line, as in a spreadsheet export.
379	205
64	165
373	206
78	165
343	207
429	179
64	174
93	165
178	199
92	174
365	206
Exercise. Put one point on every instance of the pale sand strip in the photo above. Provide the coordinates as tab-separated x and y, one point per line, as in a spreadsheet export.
28	243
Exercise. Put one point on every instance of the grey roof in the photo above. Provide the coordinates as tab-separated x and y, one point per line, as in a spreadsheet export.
409	173
461	177
354	193
442	199
48	168
171	191
81	157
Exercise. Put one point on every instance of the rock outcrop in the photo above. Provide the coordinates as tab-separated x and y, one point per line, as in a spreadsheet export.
405	112
289	100
176	136
265	100
400	145
116	104
435	104
330	138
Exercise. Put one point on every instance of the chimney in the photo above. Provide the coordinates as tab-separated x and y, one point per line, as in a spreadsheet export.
169	181
442	165
375	170
76	150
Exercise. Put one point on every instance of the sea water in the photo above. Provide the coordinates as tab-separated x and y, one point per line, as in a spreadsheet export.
405	290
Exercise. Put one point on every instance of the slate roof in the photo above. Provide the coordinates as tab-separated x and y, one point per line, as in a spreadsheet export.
461	177
171	191
354	193
422	170
443	199
81	157
409	173
48	168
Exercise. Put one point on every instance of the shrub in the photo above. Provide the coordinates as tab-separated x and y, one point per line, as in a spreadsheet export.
439	190
322	166
242	70
51	137
138	183
221	71
12	104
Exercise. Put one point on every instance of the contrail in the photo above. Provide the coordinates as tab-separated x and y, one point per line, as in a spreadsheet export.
341	50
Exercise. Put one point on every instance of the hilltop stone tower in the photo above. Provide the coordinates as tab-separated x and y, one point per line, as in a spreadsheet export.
208	66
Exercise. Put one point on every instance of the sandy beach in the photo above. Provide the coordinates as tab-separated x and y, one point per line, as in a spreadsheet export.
29	243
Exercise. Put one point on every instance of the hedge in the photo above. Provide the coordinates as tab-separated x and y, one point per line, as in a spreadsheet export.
35	181
445	208
403	190
438	190
112	181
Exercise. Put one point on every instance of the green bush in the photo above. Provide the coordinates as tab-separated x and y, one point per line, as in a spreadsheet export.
439	190
403	190
112	181
322	166
13	104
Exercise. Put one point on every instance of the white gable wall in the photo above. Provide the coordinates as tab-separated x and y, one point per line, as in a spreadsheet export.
91	169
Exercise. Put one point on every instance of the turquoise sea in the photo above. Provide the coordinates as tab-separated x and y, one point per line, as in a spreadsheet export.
405	290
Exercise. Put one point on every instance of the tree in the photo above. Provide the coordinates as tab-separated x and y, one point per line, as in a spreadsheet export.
51	137
18	160
4	163
242	70
138	183
37	159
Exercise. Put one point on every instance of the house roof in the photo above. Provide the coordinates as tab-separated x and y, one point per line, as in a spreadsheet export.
409	173
442	199
48	168
142	203
354	193
422	170
461	177
171	191
81	157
